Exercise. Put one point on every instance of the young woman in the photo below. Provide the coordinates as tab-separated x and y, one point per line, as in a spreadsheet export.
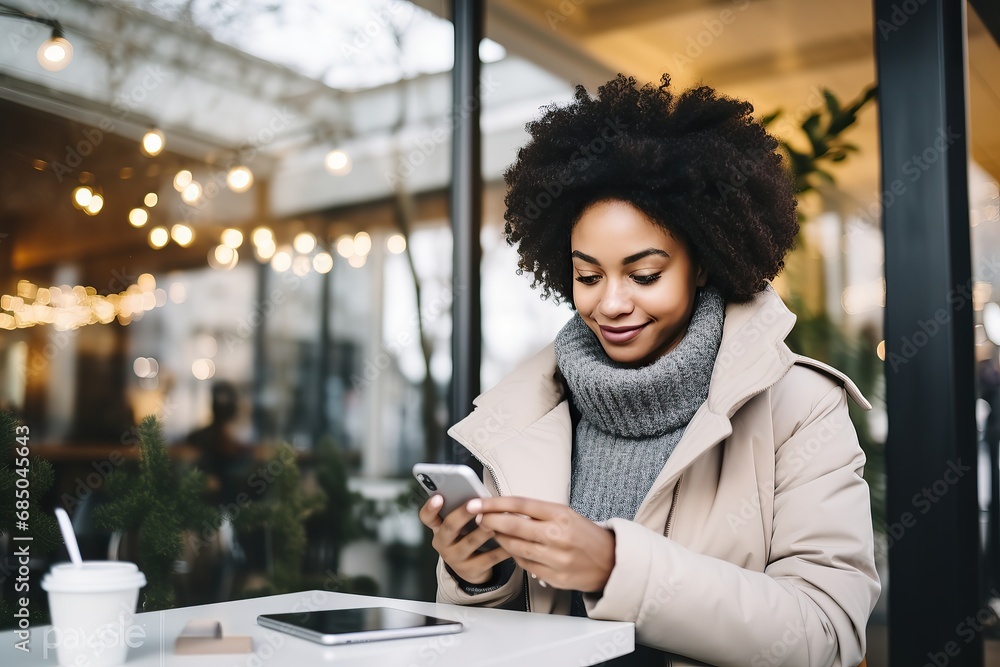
668	460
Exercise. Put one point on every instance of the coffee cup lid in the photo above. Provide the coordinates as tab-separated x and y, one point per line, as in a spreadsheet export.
93	576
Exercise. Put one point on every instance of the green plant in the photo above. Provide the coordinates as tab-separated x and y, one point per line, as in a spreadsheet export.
282	515
822	128
160	504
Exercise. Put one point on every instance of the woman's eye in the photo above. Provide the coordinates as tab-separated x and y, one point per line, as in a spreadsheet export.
646	280
587	280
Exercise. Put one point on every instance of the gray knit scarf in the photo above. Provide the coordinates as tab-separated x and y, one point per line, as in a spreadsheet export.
630	419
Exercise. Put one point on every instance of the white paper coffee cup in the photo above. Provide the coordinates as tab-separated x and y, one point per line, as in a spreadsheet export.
93	611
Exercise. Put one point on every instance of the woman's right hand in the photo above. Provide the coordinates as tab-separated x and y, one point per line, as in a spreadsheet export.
457	550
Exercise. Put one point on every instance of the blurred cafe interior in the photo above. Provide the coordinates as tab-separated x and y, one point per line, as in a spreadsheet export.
234	216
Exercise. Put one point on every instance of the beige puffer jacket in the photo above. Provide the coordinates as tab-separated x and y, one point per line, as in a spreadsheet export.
754	545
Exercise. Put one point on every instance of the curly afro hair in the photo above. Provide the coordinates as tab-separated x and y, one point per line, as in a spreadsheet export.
698	165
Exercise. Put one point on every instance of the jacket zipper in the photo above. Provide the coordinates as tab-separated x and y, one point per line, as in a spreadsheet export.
496	484
673	506
487	467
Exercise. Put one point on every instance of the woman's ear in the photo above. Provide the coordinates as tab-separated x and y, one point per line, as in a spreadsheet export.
702	278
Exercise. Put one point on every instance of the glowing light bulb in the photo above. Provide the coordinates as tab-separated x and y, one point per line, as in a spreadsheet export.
152	143
182	179
151	199
191	193
82	196
323	262
262	236
345	246
182	234
158	237
95	205
232	238
55	54
138	217
239	179
304	243
338	163
362	243
396	244
281	261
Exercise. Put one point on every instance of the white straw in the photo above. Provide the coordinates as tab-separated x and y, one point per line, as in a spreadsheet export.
69	537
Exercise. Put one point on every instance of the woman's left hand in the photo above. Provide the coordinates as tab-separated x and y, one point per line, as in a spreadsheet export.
550	541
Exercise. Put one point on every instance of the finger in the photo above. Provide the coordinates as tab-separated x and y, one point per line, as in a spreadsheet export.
430	512
536	509
515	525
489	559
453	527
466	547
526	549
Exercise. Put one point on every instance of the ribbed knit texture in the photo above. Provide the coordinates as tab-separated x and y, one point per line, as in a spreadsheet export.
630	419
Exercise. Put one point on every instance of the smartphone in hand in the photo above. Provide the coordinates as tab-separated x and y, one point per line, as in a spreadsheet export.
457	484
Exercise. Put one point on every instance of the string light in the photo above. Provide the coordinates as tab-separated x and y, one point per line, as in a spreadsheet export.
232	238
345	246
323	262
191	192
138	217
151	199
153	143
182	179
56	52
158	237
396	244
182	235
95	205
82	196
239	179
362	243
281	261
68	307
304	243
338	163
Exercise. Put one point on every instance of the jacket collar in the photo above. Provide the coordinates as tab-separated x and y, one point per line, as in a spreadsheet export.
752	357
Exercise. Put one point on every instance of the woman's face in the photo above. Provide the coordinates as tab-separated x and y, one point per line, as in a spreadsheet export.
634	283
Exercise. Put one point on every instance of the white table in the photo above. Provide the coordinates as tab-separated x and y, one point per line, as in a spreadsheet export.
490	637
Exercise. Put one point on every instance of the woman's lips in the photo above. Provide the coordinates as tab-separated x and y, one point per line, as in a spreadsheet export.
621	334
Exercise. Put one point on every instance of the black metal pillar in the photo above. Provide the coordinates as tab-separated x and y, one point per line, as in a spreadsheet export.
321	427
466	211
931	449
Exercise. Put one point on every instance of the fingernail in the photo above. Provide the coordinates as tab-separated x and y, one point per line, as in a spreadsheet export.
437	501
474	506
479	519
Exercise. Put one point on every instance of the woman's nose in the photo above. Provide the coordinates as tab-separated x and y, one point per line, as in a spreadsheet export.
616	300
